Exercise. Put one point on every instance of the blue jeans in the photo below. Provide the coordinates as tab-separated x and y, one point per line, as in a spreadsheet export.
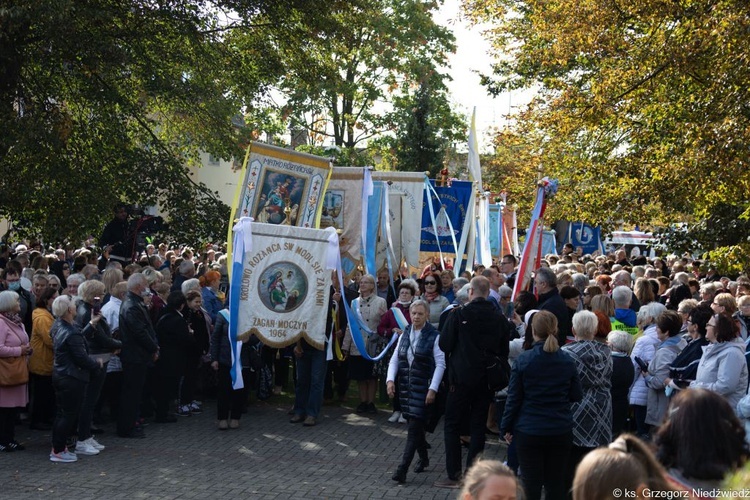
311	376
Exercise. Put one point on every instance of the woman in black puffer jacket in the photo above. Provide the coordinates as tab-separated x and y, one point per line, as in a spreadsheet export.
419	365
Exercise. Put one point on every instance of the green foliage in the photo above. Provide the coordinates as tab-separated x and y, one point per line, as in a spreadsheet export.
104	101
641	107
343	157
426	125
336	88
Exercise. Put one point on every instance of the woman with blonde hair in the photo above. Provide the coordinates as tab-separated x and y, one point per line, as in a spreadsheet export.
538	416
627	466
603	303
490	479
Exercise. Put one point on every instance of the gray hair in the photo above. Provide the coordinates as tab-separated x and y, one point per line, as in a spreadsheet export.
420	303
681	277
462	296
687	306
505	291
152	275
136	280
77	277
8	300
620	341
623	277
622	296
191	284
61	305
585	324
186	266
648	313
580	281
547	275
461	282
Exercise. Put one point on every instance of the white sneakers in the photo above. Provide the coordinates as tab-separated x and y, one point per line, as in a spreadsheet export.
93	442
88	446
85	448
395	416
401	419
64	456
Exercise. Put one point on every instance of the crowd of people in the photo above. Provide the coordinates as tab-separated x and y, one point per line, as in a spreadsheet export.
639	367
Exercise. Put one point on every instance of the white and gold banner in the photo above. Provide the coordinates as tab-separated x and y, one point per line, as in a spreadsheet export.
405	200
342	210
282	186
284	284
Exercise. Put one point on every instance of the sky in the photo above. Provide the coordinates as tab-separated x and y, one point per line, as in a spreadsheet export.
471	58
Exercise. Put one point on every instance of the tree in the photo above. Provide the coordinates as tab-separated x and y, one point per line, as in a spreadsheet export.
425	124
103	100
343	85
642	106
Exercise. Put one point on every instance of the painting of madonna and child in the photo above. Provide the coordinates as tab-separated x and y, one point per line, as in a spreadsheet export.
280	199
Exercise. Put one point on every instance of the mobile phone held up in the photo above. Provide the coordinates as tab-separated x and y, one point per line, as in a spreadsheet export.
642	364
97	307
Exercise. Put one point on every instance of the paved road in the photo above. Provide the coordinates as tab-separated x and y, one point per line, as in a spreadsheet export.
345	456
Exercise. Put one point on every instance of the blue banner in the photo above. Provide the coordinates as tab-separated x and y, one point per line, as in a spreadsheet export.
451	204
549	244
374	212
585	236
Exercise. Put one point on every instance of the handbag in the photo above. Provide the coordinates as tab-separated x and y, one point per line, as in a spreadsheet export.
13	371
498	372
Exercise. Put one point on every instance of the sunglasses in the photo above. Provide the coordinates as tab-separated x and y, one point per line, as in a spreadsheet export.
430	283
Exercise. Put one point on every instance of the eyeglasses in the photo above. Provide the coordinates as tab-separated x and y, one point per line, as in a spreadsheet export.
65	268
430	283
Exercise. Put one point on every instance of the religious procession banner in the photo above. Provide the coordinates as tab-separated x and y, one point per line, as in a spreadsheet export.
407	188
281	282
444	217
586	237
282	186
342	210
496	226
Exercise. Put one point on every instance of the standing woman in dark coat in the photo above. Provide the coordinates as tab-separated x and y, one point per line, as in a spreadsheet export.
199	324
70	374
175	343
538	416
623	374
419	365
100	342
229	401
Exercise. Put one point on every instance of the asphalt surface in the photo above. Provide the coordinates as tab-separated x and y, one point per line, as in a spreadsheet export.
345	455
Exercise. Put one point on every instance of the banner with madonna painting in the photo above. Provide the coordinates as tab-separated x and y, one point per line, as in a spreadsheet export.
282	186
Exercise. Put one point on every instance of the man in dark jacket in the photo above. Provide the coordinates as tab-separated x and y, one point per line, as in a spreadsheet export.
550	300
116	238
472	333
139	350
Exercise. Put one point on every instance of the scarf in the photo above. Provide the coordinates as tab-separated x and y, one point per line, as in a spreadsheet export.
430	296
13	317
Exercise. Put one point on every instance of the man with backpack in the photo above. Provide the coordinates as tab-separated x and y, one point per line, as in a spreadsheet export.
475	337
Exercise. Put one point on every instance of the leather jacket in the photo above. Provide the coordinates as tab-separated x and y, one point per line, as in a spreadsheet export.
71	351
100	341
138	337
